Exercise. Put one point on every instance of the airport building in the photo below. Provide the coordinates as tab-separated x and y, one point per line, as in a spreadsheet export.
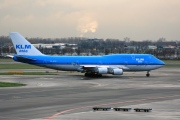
56	45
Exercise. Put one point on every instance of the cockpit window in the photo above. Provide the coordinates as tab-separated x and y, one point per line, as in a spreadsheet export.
153	56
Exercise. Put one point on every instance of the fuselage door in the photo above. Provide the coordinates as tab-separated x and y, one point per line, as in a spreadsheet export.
133	57
44	63
126	63
75	63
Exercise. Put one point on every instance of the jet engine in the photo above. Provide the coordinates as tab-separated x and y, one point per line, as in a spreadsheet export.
116	71
102	70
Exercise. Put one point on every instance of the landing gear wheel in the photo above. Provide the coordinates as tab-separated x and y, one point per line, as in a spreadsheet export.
92	75
148	74
99	75
86	74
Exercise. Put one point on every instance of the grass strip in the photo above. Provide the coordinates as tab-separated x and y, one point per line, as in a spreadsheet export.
19	66
6	60
171	61
172	66
27	73
8	84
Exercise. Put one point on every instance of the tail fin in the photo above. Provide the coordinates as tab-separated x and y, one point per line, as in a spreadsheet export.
22	46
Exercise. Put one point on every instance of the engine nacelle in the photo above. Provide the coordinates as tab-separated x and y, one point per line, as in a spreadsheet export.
116	71
80	69
102	70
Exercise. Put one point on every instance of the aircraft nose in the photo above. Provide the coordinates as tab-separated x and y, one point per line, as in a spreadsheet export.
160	62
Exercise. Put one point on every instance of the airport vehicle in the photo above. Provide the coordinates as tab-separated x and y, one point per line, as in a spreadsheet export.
101	108
143	109
122	109
114	64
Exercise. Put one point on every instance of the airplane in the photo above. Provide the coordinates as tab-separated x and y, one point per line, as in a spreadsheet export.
114	64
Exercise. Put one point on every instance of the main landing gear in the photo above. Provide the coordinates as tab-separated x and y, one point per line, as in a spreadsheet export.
148	74
92	75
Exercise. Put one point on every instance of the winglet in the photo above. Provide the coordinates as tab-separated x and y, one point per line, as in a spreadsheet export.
22	46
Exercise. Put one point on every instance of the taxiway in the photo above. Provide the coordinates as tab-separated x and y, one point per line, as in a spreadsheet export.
70	96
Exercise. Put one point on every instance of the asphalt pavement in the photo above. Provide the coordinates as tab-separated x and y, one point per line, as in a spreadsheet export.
71	96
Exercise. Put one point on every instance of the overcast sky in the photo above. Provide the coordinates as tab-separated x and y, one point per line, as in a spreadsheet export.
136	19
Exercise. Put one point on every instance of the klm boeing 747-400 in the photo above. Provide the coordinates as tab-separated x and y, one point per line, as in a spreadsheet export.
114	64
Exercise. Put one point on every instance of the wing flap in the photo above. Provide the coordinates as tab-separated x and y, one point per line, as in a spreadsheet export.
90	66
93	66
103	66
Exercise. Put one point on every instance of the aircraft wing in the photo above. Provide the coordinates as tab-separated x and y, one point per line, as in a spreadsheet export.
93	66
102	69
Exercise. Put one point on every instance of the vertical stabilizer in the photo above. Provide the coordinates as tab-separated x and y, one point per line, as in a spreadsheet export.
22	46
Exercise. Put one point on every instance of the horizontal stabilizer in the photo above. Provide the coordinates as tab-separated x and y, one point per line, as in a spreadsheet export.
21	58
9	56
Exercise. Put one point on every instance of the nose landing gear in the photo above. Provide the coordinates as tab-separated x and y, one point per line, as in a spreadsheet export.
148	74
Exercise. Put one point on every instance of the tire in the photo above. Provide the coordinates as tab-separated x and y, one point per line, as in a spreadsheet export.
86	74
147	75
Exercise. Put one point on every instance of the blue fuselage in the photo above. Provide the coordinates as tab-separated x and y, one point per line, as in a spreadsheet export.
128	62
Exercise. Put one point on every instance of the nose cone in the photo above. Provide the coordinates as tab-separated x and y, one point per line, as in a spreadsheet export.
160	63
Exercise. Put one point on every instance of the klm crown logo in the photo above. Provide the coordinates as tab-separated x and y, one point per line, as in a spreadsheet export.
140	60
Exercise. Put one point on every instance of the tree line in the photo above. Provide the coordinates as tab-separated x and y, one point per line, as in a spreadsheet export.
100	46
